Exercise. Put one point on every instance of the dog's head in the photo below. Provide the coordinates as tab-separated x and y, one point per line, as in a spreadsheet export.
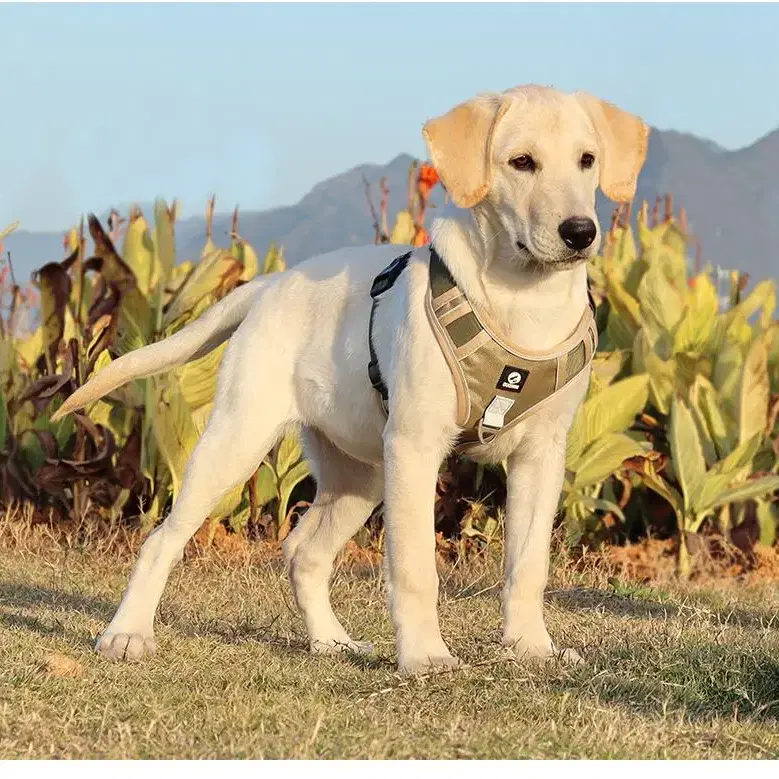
531	158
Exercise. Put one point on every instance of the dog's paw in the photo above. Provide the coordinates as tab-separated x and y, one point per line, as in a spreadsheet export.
334	647
416	666
125	646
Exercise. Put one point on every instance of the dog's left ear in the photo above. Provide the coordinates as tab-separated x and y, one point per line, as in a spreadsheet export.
460	147
623	145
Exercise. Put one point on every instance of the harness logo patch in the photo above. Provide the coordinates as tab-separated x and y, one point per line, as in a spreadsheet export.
512	379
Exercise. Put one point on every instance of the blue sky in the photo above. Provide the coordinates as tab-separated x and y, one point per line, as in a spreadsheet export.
106	104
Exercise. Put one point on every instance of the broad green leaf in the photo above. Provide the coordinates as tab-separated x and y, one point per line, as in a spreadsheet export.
763	299
662	380
598	504
686	452
661	304
695	327
175	433
623	250
136	323
198	379
704	398
54	284
138	253
216	273
675	241
741	457
622	303
242	250
178	276
240	519
228	503
657	484
288	454
773	357
767	521
714	484
605	367
604	457
266	485
708	446
164	240
190	315
287	485
274	261
726	376
619	331
755	391
615	408
576	441
740	332
756	488
3	422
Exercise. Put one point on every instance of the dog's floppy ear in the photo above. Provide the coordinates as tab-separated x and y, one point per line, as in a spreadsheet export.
623	144
460	147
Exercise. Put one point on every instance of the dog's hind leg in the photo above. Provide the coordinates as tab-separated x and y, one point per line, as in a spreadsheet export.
347	493
238	436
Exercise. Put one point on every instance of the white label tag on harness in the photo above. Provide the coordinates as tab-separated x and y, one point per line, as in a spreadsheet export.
496	411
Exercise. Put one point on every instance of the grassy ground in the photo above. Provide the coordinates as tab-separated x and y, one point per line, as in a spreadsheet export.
670	673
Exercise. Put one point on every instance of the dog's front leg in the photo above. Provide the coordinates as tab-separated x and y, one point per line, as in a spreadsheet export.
411	473
535	479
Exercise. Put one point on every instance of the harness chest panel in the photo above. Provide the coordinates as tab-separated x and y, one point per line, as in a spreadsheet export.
497	384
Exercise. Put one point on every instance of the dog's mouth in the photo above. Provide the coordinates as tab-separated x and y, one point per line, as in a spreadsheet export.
563	264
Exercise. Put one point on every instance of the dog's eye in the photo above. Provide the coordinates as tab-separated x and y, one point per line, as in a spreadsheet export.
587	160
523	162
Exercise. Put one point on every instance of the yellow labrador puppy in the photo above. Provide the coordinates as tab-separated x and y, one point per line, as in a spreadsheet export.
523	166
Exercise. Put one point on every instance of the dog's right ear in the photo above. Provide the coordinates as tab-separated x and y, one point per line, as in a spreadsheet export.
460	147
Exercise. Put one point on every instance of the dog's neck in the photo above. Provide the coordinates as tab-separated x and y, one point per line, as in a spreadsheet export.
536	310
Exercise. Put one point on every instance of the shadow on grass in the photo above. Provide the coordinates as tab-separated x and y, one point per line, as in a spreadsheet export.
702	675
703	682
26	596
31	624
242	631
640	607
16	597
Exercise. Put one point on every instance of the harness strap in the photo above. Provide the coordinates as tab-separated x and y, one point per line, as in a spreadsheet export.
489	373
381	284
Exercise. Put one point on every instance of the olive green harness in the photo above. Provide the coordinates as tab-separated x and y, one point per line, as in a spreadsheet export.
497	384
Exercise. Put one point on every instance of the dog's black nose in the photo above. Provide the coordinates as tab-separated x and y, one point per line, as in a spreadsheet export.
578	232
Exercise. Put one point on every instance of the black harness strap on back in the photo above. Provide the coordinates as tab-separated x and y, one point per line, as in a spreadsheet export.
381	284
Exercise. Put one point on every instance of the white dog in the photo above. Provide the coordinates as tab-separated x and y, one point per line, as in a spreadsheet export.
525	165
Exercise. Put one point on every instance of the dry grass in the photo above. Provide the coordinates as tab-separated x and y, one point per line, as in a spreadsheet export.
673	672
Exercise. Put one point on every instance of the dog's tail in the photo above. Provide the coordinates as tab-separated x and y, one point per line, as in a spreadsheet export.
195	340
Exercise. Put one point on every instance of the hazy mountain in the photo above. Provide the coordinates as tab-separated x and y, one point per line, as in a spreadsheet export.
731	198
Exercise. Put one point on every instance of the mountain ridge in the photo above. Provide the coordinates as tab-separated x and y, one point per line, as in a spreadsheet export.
731	198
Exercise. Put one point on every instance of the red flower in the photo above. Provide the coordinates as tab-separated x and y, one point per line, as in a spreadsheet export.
428	178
